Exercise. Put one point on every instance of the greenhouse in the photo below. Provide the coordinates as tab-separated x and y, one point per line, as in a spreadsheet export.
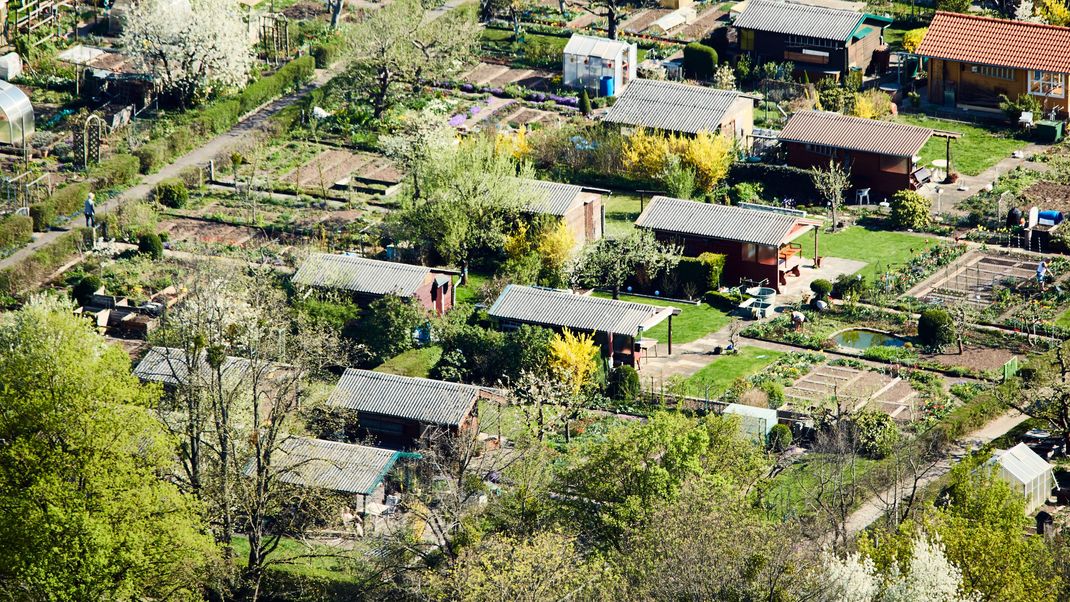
1025	472
16	115
755	422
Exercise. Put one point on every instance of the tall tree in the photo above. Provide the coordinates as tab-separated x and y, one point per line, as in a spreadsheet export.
399	46
831	183
1044	392
610	262
193	48
84	514
470	199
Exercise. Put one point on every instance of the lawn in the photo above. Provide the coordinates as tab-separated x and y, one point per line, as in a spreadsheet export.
414	362
878	248
509	417
332	564
693	323
789	492
977	150
714	379
469	293
621	212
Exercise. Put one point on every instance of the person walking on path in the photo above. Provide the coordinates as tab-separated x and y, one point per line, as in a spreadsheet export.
90	211
1042	273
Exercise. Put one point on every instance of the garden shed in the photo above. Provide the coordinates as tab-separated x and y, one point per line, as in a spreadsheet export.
604	67
16	115
1025	472
370	279
757	242
581	211
755	422
333	466
617	326
683	109
399	411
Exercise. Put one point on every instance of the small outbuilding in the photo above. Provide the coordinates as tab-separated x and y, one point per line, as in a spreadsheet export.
756	422
881	155
173	368
333	466
603	67
683	109
400	411
581	211
370	279
617	326
825	40
1025	472
758	243
16	115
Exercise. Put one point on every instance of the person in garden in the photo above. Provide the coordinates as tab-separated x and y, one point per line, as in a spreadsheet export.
90	211
1042	273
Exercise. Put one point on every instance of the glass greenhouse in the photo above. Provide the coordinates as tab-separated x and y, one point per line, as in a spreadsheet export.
16	115
1025	472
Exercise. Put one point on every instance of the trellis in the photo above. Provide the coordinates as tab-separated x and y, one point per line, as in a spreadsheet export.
18	192
29	17
88	139
275	37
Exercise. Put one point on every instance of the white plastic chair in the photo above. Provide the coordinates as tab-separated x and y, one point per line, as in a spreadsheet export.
862	194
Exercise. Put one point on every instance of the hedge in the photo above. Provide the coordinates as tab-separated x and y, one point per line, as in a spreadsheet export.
64	202
327	53
221	115
700	61
15	231
704	271
778	181
115	171
41	264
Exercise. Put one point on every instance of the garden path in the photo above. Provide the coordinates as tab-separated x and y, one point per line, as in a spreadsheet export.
948	201
247	128
878	505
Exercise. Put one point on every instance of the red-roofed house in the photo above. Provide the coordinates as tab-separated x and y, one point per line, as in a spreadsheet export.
973	60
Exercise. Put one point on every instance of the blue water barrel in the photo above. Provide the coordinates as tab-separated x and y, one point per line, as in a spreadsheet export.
606	86
1055	217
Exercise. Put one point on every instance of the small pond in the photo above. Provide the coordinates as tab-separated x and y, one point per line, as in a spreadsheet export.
862	339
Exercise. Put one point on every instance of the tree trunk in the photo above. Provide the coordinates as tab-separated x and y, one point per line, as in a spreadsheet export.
611	19
515	15
464	272
616	291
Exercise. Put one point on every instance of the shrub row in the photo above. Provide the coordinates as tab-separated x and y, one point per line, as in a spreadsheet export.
327	53
40	264
222	115
64	202
15	231
702	272
778	181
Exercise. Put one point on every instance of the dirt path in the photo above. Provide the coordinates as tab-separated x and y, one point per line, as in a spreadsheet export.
245	130
876	506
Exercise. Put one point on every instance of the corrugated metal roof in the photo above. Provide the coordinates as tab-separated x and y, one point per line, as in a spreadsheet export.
170	366
603	48
799	19
1022	463
671	106
855	133
721	222
361	275
999	42
420	399
554	198
553	307
331	465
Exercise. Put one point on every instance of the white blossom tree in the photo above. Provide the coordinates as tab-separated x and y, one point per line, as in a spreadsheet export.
192	47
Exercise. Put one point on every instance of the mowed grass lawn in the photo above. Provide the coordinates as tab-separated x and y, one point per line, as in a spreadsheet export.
414	362
621	212
978	149
718	376
789	492
878	248
693	323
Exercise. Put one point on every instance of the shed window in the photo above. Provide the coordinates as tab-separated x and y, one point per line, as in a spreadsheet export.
746	39
810	41
750	252
821	149
1047	83
997	72
894	164
768	255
